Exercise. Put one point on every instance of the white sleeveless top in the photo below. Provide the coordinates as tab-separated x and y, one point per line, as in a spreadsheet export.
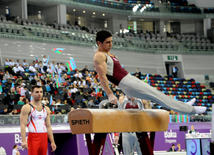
36	120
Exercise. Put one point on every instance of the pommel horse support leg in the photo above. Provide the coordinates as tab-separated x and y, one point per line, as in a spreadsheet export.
103	121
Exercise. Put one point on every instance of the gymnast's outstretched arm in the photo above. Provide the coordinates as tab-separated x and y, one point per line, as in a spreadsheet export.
101	69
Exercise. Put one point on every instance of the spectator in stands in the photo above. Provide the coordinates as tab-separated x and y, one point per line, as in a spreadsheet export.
7	66
78	74
100	93
19	81
23	89
85	69
11	63
41	68
36	65
77	81
32	69
138	73
16	70
93	93
21	69
14	112
86	74
25	64
63	68
37	77
4	112
172	149
49	70
174	71
45	63
192	129
39	82
90	104
21	101
8	77
17	62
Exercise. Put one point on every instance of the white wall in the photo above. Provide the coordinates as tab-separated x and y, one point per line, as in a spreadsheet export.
187	27
202	3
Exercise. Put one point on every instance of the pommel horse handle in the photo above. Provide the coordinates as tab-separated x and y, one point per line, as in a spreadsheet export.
102	121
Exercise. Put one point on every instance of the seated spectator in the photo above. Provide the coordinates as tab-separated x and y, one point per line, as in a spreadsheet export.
14	112
78	74
100	93
93	93
49	70
21	69
39	83
172	149
21	101
17	62
37	77
90	104
16	70
4	112
19	81
77	81
45	101
58	102
86	74
64	70
25	64
36	65
8	77
32	69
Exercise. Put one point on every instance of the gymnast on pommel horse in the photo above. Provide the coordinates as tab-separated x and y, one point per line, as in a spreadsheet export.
108	67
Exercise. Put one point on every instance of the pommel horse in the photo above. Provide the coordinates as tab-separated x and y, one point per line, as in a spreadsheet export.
103	121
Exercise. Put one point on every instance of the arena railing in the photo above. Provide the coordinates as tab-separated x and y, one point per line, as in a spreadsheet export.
63	118
126	9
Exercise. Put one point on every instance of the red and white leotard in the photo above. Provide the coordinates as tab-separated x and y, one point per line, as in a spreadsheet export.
36	120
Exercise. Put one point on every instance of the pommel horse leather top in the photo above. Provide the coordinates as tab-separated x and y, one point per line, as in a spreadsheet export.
113	120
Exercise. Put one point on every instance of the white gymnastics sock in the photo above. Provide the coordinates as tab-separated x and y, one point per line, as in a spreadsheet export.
191	102
200	109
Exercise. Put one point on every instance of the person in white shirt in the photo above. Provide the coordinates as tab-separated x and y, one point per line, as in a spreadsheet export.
16	70
6	63
22	90
31	68
36	66
63	68
15	150
77	81
59	70
25	64
45	63
49	70
17	62
11	63
7	66
78	74
21	69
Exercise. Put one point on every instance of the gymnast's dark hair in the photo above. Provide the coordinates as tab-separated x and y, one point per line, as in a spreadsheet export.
102	35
